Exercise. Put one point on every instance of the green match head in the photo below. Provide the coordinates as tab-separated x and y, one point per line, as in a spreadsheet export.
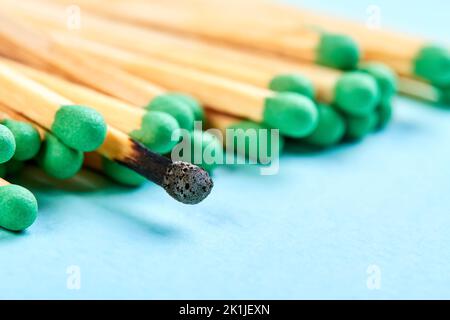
384	111
433	64
338	51
18	208
175	107
121	174
256	141
385	78
81	128
356	93
7	144
359	127
205	144
330	130
58	160
28	140
156	131
292	83
295	115
191	102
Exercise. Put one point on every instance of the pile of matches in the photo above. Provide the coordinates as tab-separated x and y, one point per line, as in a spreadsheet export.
106	84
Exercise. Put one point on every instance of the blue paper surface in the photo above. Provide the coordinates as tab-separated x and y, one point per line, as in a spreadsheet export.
321	228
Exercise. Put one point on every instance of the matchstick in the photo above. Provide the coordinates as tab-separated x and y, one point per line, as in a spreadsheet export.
27	45
55	158
116	146
183	181
353	93
78	127
331	49
410	56
152	128
18	207
295	115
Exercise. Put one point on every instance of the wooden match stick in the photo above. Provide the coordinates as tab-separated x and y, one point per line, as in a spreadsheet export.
407	55
152	128
79	127
335	50
354	94
8	114
37	49
163	45
62	162
3	182
293	114
184	182
94	73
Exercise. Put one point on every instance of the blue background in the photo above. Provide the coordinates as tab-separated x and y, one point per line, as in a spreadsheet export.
309	232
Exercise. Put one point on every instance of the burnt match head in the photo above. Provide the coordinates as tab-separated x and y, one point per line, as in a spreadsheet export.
187	183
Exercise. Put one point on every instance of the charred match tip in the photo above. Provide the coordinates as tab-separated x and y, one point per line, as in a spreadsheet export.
187	183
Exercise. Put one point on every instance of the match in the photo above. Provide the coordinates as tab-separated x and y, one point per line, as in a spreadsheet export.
295	115
355	94
90	72
152	128
111	142
327	48
79	127
409	56
54	157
